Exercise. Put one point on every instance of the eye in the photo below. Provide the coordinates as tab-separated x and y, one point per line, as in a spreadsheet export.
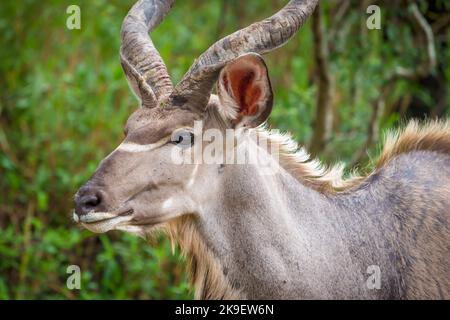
183	138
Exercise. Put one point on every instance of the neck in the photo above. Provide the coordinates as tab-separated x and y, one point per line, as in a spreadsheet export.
267	231
271	236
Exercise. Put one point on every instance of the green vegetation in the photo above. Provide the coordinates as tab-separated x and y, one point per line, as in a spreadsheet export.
64	101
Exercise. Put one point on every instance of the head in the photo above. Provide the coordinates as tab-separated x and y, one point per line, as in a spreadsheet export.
140	185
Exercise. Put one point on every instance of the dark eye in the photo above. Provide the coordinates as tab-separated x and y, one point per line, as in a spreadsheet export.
183	138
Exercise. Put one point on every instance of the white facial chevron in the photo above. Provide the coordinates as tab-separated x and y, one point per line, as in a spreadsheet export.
135	148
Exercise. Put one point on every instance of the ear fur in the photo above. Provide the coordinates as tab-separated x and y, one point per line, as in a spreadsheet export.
245	92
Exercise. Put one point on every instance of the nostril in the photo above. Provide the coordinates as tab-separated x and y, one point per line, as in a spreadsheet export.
91	201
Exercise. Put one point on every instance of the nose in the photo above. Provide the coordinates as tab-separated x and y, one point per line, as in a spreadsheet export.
88	199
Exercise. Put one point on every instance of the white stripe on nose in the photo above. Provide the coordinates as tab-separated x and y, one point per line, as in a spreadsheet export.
134	147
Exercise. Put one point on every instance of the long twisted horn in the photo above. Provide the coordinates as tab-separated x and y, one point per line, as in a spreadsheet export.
140	60
260	37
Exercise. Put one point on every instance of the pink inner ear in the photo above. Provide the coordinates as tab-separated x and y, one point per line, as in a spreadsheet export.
244	89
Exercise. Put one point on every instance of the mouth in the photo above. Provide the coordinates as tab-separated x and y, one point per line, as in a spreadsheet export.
100	222
96	217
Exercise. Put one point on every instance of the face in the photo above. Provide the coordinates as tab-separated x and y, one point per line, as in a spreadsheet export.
140	185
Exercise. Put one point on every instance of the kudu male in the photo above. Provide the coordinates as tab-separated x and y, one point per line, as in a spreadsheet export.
302	232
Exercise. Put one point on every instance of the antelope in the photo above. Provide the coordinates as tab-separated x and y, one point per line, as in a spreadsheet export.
303	232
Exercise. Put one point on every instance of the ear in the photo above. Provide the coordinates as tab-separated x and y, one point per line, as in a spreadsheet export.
245	92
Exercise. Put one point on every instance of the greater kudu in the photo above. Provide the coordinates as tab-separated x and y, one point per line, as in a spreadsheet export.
302	232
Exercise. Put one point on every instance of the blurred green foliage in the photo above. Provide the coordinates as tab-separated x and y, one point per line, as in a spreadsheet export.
64	101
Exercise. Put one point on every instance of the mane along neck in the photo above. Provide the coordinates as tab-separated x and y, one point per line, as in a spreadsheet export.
430	136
